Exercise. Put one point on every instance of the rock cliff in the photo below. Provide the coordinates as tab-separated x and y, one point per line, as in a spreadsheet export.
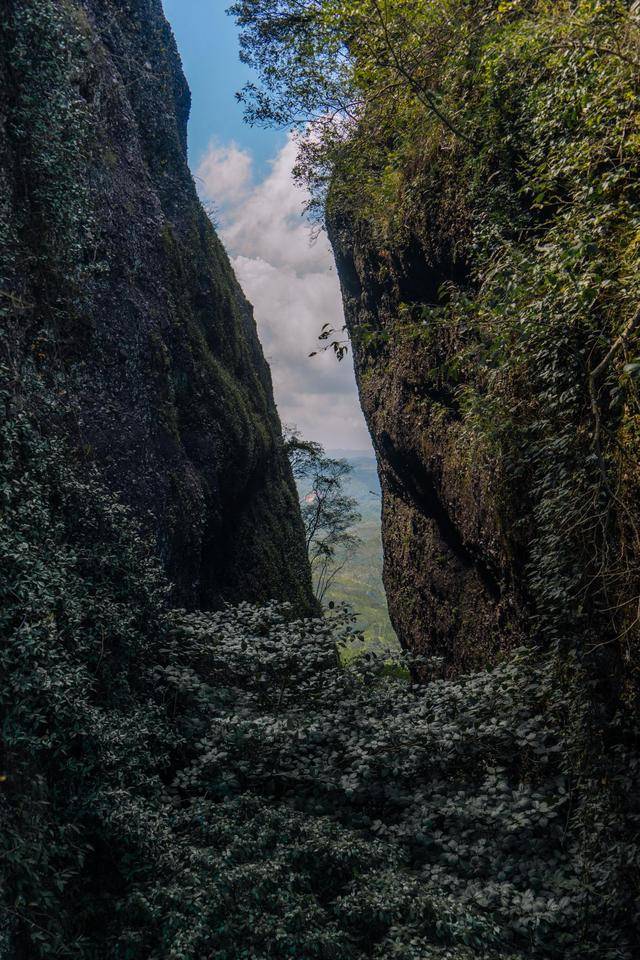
478	171
449	567
485	230
116	287
508	469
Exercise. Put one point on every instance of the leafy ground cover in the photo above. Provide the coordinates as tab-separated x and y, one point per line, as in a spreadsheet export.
187	785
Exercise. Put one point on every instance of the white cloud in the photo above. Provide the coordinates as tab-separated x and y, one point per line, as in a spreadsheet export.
224	174
292	284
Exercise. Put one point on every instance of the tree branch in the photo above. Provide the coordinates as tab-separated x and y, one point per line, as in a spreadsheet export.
424	96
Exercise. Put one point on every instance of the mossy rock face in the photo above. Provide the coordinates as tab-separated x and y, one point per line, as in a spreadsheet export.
491	286
115	281
449	575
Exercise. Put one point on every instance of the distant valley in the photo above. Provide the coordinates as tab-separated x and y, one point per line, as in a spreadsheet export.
360	582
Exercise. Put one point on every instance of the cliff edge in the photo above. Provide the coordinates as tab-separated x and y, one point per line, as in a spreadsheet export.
117	289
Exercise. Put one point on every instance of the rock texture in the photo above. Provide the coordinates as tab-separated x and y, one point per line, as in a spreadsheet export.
116	286
449	572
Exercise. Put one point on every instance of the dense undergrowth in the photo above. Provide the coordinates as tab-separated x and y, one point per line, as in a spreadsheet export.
216	785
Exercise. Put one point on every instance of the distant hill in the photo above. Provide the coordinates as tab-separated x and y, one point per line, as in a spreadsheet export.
360	583
363	484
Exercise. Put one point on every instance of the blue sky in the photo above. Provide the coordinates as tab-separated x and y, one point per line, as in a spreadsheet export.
244	175
208	43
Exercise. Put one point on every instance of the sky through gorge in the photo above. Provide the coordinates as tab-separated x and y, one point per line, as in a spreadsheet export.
244	175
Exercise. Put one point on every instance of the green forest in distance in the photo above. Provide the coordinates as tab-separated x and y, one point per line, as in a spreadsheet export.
359	583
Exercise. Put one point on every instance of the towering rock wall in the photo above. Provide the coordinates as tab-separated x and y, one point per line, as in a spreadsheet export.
117	291
485	230
450	573
508	470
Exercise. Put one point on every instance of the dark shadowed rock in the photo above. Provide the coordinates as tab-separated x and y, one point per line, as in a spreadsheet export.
449	570
116	284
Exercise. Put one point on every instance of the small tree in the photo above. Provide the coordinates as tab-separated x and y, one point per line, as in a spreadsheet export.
329	515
